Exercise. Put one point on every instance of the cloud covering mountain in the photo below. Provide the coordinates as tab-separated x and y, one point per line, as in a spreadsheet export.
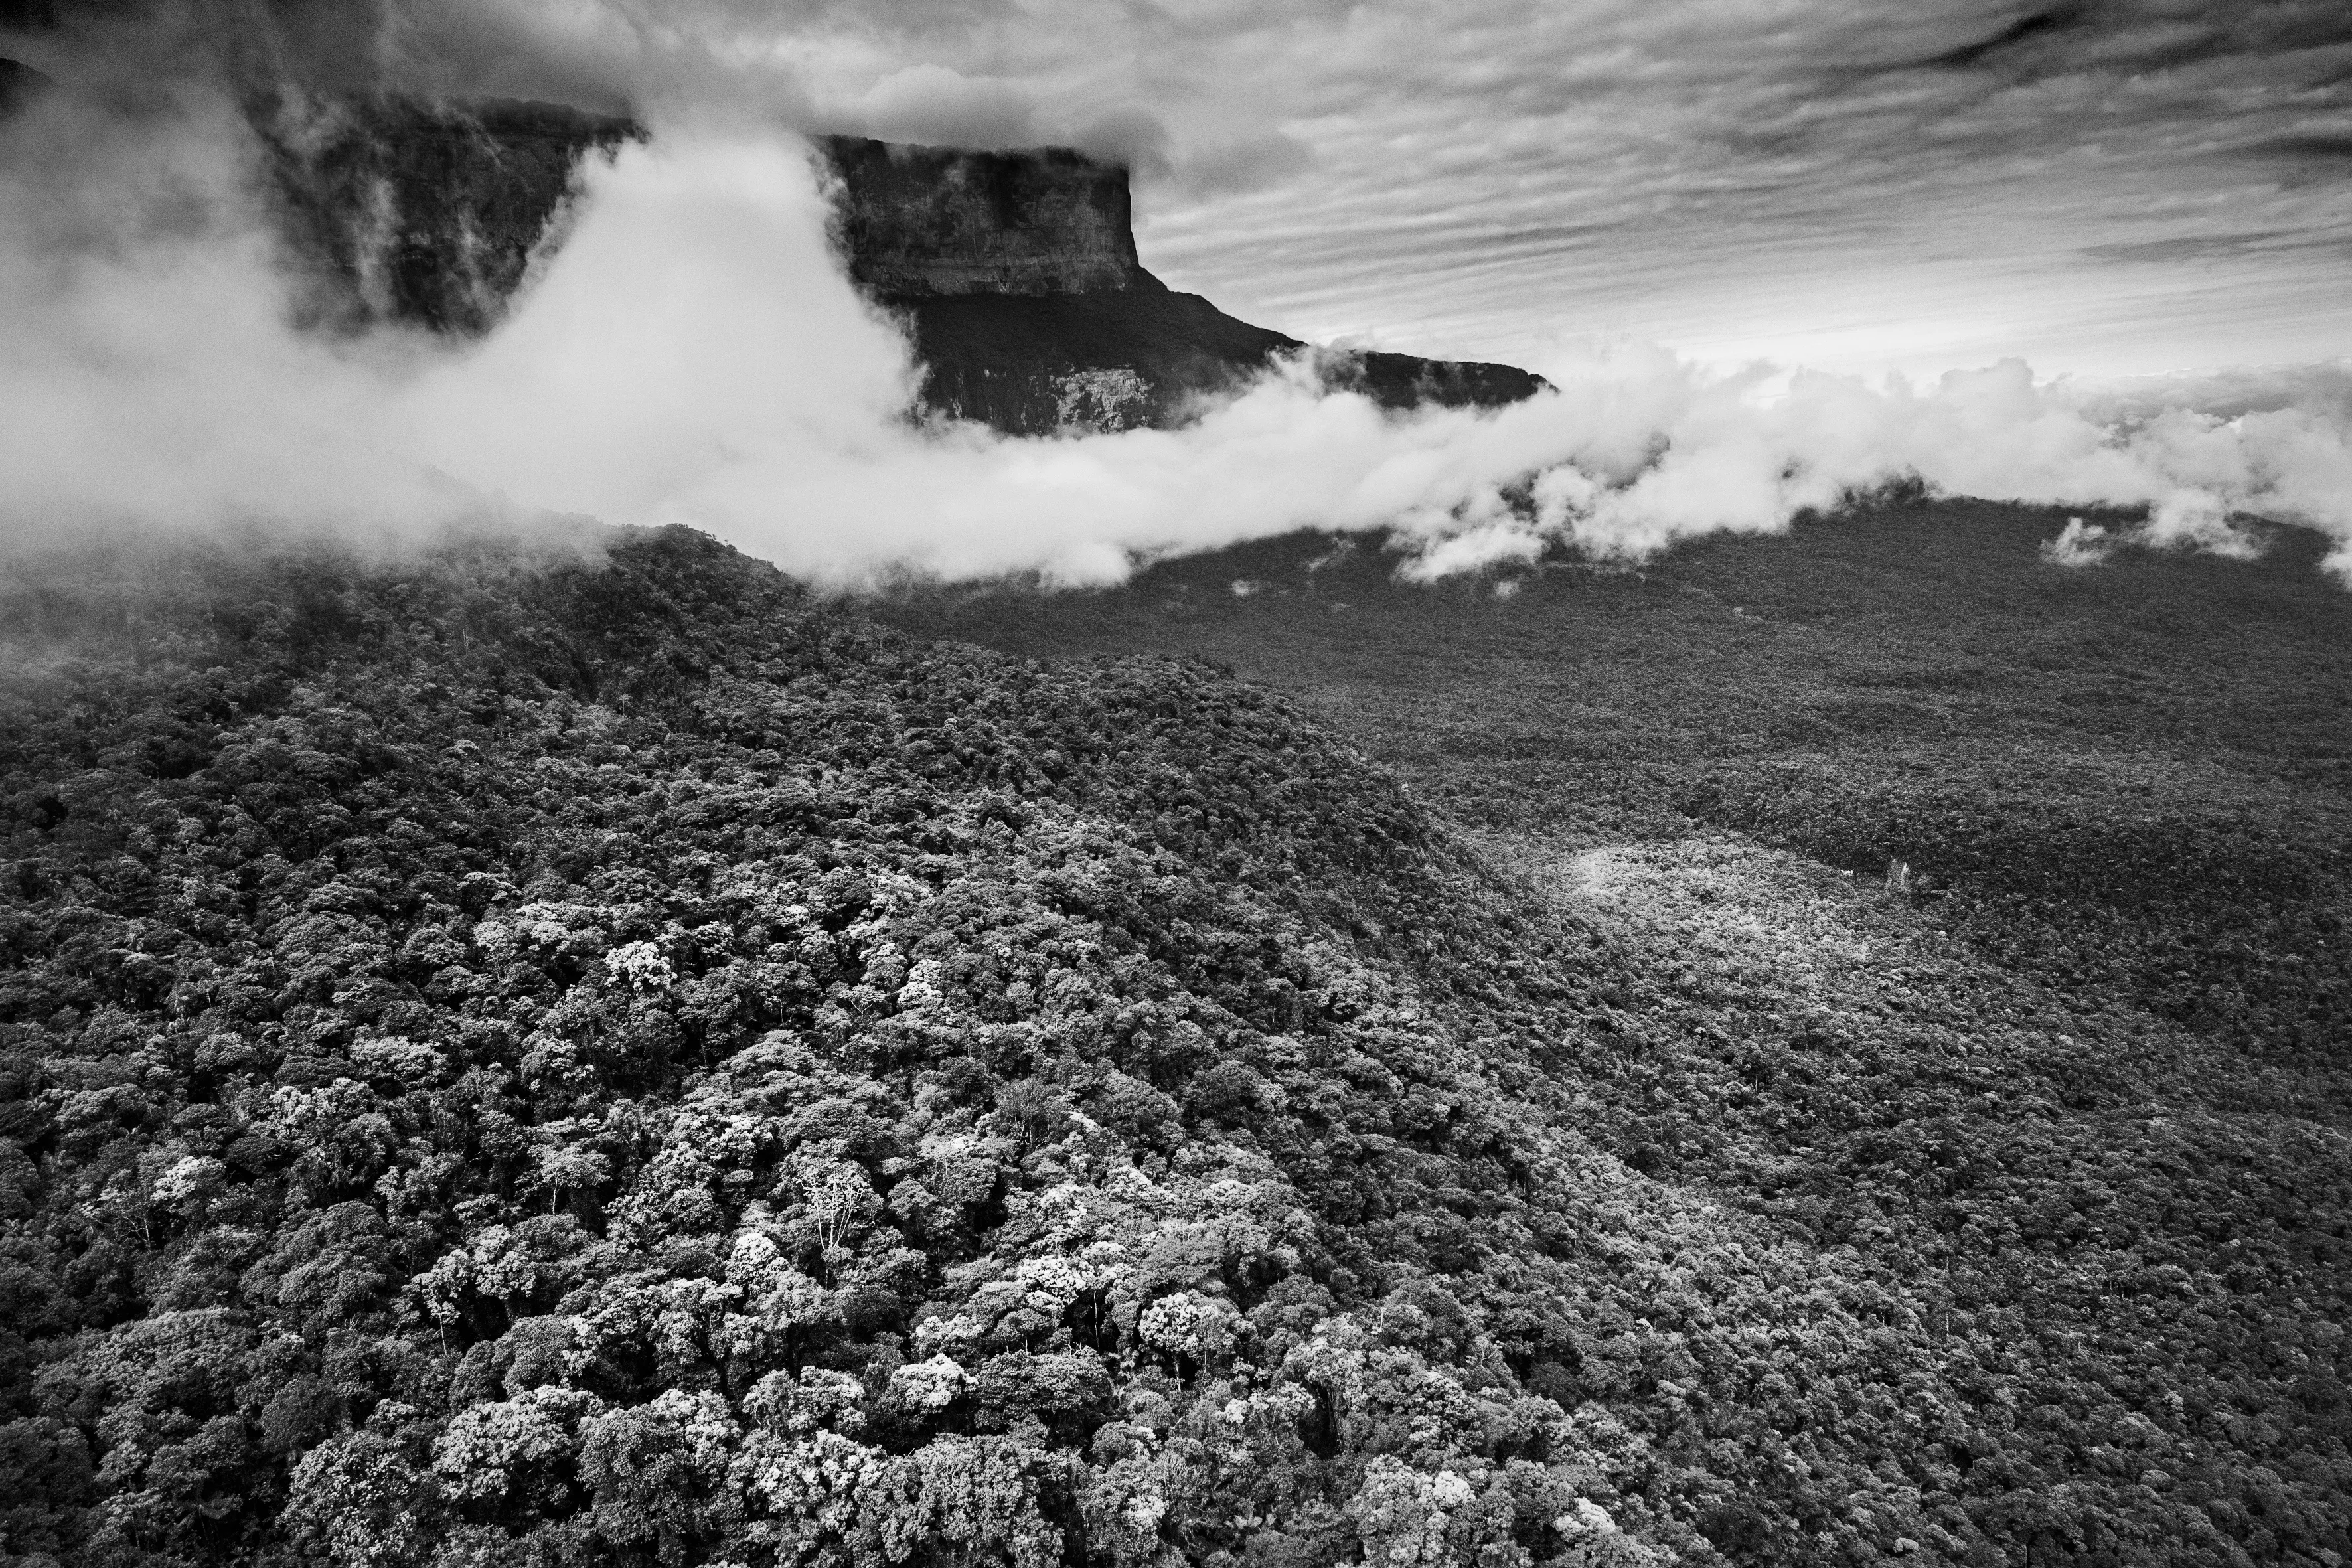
691	351
2116	187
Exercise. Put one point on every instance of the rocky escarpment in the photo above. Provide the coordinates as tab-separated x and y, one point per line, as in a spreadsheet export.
424	214
934	222
1015	273
394	209
1017	276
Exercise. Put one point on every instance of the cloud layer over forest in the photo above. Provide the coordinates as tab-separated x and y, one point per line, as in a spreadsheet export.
692	354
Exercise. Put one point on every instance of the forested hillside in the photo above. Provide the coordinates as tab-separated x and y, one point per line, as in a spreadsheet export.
542	1054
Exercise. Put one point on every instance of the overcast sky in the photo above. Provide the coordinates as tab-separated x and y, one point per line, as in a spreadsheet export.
2116	186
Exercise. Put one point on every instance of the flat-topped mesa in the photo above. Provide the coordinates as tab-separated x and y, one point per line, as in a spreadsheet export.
927	222
1017	274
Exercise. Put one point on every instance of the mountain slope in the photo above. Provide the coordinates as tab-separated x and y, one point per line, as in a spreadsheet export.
549	1054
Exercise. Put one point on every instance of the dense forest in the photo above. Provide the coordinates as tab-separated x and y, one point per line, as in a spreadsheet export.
572	1051
2132	783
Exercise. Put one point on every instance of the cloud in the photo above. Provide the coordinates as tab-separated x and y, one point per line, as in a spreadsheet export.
1831	181
1476	547
147	372
934	105
691	354
1795	180
1240	165
1134	139
2334	148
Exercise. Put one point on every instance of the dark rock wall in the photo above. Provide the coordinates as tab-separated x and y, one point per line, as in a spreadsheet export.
423	214
928	222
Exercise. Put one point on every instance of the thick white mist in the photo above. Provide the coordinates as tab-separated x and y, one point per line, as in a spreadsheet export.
693	354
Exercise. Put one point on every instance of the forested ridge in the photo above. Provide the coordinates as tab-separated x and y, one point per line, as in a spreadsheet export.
541	1054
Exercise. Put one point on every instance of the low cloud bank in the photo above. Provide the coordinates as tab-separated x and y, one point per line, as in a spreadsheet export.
692	354
1724	455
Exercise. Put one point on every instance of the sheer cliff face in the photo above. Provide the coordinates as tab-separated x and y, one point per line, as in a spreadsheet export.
425	214
932	222
1017	274
1014	273
18	81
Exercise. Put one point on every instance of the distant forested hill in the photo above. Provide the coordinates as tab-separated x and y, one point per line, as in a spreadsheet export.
546	1054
